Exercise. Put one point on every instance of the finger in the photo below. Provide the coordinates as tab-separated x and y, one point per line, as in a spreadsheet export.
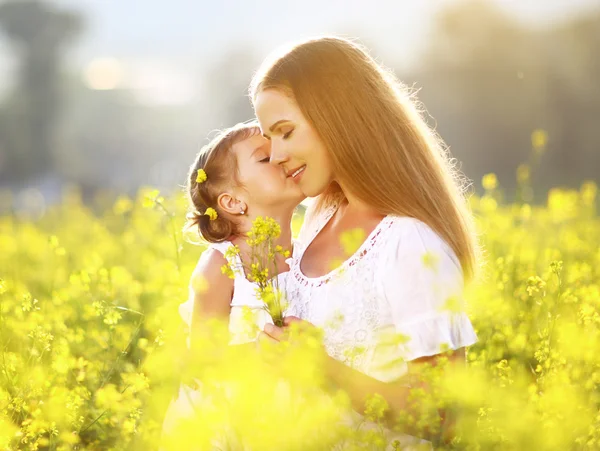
265	338
289	320
301	324
274	332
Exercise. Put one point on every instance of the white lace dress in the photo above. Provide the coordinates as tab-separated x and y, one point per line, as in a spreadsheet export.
395	285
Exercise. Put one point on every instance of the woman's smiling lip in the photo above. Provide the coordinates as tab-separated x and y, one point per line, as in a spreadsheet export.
296	171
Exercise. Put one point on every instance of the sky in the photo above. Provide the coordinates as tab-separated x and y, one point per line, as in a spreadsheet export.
161	43
159	27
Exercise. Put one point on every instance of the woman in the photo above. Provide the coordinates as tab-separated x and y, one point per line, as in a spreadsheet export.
350	135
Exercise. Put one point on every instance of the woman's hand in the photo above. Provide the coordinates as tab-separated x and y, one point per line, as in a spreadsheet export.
289	320
268	342
271	334
292	325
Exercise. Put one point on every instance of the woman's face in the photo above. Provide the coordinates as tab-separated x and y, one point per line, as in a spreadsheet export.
295	145
267	187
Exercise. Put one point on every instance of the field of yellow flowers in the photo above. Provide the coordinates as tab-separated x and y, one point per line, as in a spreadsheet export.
90	334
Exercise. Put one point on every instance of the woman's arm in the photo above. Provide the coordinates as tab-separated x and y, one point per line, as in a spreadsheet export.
361	387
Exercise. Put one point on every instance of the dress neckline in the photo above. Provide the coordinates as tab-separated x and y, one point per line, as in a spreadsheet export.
350	261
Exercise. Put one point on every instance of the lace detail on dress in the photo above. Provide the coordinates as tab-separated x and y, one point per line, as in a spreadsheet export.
350	320
360	305
363	250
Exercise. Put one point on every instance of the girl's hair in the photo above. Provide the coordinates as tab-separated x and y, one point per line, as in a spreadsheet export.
220	165
381	149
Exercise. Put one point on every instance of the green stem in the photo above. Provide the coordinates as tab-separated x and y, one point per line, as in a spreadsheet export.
123	352
173	232
81	431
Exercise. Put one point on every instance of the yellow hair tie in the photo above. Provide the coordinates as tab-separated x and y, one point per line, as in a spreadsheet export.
201	176
211	213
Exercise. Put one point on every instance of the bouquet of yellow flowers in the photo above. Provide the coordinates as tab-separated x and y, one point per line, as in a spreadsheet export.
260	266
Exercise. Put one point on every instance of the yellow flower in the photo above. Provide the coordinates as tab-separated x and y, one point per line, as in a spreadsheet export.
211	213
199	284
201	176
151	198
430	260
112	317
376	406
489	182
588	193
226	270
523	173
525	211
539	138
535	285
232	252
122	205
263	230
28	303
351	240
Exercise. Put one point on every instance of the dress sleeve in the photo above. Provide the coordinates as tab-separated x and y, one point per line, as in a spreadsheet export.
423	287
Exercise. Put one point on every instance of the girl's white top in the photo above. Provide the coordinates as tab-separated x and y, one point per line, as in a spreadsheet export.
397	298
248	315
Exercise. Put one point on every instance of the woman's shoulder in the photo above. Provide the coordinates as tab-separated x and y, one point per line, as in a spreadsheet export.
408	229
408	235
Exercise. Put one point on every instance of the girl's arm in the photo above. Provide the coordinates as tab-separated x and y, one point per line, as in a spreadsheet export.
212	291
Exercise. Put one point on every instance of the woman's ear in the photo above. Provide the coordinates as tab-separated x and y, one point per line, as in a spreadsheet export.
230	204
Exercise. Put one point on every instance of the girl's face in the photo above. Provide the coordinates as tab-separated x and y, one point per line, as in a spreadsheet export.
266	186
295	145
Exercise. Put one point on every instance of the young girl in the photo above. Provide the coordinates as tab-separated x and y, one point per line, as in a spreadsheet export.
229	185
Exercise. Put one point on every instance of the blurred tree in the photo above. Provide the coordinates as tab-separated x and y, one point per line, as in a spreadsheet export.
39	33
489	82
573	93
226	92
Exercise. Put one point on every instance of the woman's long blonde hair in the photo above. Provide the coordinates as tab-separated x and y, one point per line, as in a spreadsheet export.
381	148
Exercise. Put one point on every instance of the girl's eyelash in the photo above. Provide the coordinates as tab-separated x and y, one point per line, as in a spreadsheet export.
264	160
287	135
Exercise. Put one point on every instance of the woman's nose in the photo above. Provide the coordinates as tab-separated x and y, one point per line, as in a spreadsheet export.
278	156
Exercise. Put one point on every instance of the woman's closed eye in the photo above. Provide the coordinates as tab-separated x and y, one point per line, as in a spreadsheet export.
264	160
287	134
